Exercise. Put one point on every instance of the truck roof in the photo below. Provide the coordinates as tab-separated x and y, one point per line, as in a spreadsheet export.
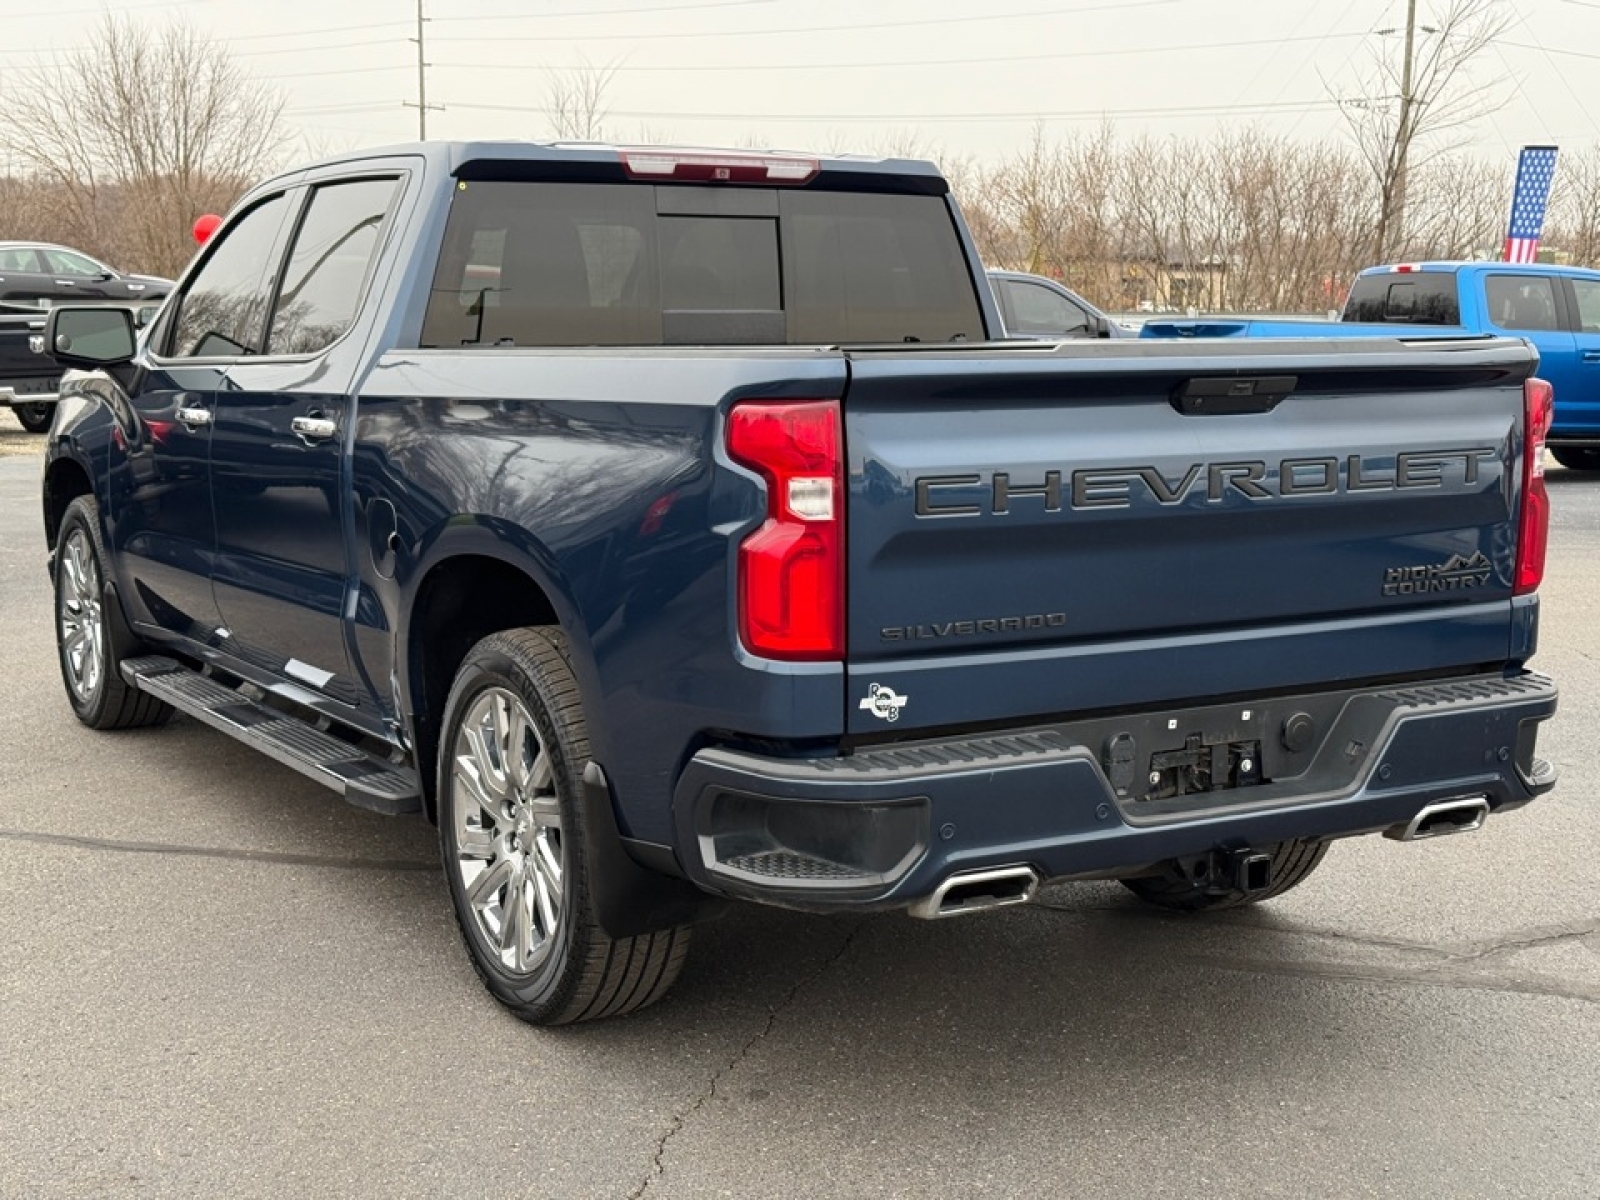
453	156
1445	265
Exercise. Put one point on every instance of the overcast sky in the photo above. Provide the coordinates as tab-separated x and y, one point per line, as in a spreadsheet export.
958	77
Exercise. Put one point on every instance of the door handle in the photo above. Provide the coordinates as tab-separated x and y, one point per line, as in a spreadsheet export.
314	429
194	417
1591	356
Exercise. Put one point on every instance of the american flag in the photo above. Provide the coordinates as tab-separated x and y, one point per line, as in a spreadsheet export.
1535	169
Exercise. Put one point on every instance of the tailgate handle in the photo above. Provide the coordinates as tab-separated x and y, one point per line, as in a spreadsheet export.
1230	395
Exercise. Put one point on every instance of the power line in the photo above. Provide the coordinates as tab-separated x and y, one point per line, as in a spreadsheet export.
727	33
261	37
55	55
1188	110
101	8
1550	50
701	68
606	12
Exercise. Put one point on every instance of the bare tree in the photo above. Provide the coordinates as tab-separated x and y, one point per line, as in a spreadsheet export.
1575	207
141	131
577	102
1417	97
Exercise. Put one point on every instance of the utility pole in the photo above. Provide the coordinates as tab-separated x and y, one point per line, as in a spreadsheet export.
422	104
1397	206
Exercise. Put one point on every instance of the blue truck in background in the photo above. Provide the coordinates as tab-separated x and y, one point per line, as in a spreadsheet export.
670	528
1556	308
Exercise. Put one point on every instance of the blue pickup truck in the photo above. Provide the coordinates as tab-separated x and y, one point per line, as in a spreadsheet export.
669	528
1555	308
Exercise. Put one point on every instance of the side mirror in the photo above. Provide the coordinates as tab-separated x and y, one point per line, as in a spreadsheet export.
89	337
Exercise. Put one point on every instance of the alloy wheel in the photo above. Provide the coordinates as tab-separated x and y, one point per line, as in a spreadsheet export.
507	825
79	614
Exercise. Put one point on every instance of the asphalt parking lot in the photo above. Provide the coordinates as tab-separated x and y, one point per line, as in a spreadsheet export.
217	979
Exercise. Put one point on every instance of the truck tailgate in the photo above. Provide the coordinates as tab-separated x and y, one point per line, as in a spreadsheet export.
1036	532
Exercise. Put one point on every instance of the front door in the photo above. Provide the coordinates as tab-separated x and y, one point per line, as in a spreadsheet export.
278	450
163	534
1578	408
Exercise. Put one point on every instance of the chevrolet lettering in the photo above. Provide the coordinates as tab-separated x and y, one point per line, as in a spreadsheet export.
1001	493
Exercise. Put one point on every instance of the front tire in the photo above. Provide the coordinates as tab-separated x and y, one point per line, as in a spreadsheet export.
1176	889
91	660
511	756
35	418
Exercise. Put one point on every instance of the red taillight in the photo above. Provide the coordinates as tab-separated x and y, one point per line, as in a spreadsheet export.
1538	408
791	570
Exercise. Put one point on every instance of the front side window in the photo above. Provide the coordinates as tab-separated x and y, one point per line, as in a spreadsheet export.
1588	294
1522	302
65	262
221	312
1038	309
329	265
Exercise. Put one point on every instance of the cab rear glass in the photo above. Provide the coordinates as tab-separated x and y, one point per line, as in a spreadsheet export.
1412	298
534	263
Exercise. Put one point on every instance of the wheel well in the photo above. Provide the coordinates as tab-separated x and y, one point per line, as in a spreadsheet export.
64	482
461	602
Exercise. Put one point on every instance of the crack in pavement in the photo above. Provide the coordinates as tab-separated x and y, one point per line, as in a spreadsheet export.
1437	973
658	1166
239	855
1413	977
1233	921
1537	936
1469	951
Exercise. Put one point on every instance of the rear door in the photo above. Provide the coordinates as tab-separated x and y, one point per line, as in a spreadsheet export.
22	276
1044	531
278	451
1533	306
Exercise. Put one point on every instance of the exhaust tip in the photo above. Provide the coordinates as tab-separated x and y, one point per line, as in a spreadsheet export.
1446	817
975	891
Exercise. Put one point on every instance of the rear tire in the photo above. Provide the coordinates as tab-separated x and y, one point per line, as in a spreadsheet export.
91	660
1174	889
35	418
1576	458
511	758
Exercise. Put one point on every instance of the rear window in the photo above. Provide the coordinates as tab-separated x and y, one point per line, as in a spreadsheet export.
1417	298
603	264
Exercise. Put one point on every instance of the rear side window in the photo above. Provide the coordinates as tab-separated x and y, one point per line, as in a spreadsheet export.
328	267
221	313
1416	298
583	264
1522	302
